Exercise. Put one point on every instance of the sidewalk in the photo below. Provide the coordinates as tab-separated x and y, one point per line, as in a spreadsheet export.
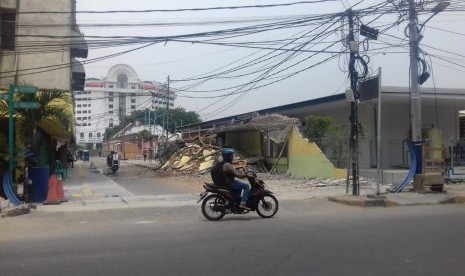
88	189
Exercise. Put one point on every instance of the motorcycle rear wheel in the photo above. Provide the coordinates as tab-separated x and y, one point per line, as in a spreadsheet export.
213	207
267	206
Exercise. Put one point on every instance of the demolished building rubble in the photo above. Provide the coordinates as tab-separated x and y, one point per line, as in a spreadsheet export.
198	156
197	159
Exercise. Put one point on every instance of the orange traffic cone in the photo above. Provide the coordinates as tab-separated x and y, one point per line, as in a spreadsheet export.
60	190
52	197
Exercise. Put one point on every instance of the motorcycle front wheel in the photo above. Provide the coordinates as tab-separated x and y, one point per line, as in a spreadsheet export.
267	206
213	207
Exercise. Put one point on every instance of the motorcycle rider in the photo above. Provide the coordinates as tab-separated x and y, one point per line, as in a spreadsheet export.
110	158
229	174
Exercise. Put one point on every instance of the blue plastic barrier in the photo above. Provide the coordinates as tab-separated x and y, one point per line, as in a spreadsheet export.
412	170
39	187
9	192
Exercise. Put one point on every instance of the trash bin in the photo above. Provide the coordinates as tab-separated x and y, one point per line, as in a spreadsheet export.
39	187
85	155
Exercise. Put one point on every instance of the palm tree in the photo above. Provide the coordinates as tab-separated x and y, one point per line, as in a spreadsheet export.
54	107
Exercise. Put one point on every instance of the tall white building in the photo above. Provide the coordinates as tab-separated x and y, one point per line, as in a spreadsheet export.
104	101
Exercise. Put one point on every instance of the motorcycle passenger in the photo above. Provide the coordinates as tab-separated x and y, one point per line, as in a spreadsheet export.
229	175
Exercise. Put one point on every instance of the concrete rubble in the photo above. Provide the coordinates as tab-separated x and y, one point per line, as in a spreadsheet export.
9	210
199	159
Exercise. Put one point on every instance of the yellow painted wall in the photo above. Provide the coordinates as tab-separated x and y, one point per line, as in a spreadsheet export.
307	160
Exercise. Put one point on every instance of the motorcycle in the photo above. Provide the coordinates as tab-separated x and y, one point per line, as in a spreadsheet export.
113	162
220	200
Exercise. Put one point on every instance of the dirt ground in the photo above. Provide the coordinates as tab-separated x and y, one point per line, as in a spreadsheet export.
282	184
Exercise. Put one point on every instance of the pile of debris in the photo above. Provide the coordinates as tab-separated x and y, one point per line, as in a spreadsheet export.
197	159
9	210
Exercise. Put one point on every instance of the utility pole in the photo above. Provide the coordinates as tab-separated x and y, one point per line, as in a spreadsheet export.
415	109
167	106
353	47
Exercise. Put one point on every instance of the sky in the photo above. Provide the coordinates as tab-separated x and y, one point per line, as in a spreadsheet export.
300	57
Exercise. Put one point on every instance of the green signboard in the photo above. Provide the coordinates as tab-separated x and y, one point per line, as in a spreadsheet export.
27	105
25	89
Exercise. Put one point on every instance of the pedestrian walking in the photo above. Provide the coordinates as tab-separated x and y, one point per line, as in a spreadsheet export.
70	160
150	155
145	155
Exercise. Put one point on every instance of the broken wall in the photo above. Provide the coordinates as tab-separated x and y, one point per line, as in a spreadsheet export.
305	159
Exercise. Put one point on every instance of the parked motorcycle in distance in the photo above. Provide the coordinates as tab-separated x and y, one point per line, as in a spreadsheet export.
219	200
113	161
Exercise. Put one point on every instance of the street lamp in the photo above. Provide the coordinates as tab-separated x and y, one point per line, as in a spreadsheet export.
440	7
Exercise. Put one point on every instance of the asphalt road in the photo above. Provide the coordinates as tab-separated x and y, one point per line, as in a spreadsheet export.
305	238
143	181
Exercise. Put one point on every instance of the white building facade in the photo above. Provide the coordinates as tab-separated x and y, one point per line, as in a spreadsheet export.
104	102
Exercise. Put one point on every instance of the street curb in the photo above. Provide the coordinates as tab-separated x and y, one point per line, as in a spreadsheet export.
383	202
362	201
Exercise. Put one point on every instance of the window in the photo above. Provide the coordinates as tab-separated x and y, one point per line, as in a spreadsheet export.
133	107
110	106
78	118
98	134
79	112
81	135
84	105
111	111
111	123
88	124
133	100
110	99
78	105
90	134
110	93
133	87
78	93
111	86
85	111
171	104
122	81
133	94
7	29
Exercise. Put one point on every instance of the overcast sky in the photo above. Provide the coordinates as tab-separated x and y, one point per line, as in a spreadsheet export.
444	37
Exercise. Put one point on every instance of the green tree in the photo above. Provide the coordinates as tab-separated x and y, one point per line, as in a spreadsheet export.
145	135
331	138
54	107
315	129
179	116
176	117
